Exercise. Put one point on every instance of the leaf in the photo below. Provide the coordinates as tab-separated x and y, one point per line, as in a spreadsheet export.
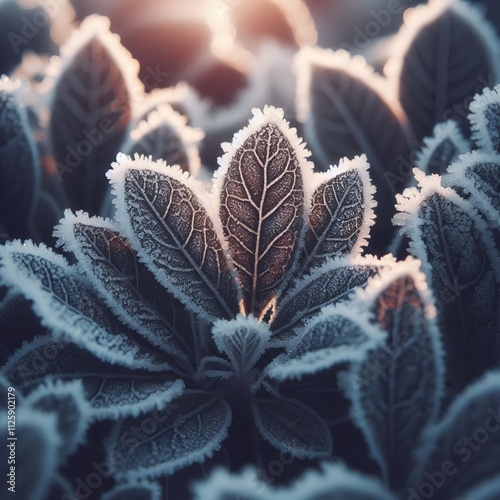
485	120
442	149
171	229
463	267
67	401
19	169
463	448
111	394
343	104
213	368
36	450
446	53
260	195
341	213
291	427
114	271
66	306
91	108
179	98
187	432
243	340
478	174
397	389
332	283
134	490
333	481
164	135
337	335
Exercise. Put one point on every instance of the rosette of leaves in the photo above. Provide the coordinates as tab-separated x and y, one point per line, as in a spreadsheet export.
396	388
271	246
444	54
91	106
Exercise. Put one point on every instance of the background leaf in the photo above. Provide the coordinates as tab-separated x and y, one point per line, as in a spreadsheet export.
36	449
165	136
19	168
440	150
478	174
397	388
332	481
67	401
447	52
465	443
91	110
463	266
343	105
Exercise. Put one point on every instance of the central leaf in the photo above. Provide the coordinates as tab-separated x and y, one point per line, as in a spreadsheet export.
262	205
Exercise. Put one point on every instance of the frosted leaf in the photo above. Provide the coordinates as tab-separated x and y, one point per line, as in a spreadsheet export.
243	340
333	481
337	335
67	307
341	213
292	428
179	98
188	431
445	52
166	218
67	401
260	195
91	109
166	136
19	169
478	174
465	443
112	394
332	283
396	390
36	452
222	485
134	490
462	266
485	120
442	148
113	269
214	367
343	104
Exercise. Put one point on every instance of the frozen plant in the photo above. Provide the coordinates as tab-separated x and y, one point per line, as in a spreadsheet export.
186	299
